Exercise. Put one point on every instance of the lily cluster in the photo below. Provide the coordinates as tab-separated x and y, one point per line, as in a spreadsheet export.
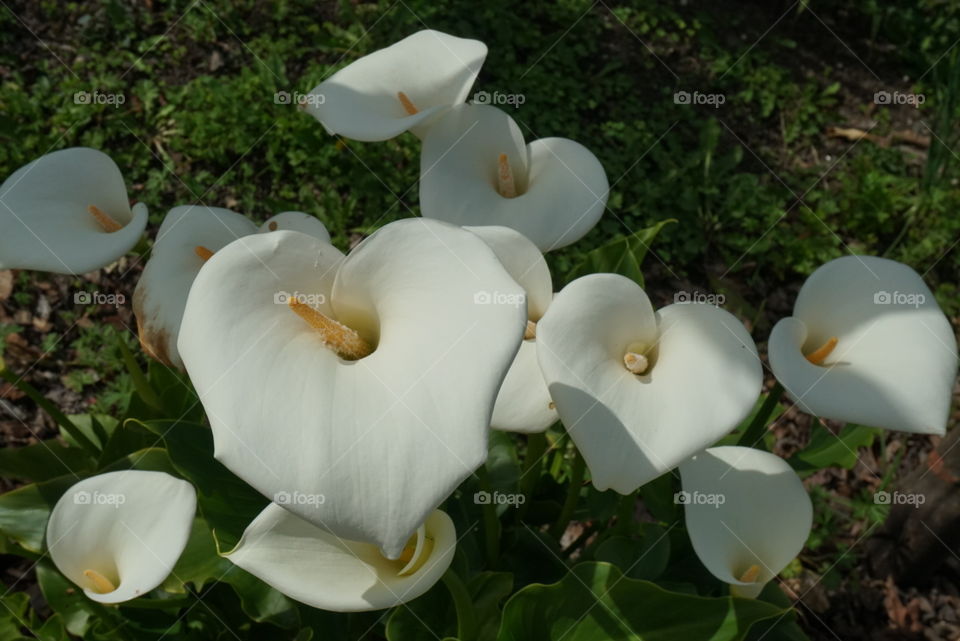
371	379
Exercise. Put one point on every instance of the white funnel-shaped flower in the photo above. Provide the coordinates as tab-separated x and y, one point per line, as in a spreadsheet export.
399	88
67	212
747	514
476	170
313	566
868	344
296	221
187	238
640	391
367	380
524	403
118	535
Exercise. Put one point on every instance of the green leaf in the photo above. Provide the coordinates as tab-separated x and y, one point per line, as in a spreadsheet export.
645	557
827	449
623	255
595	601
44	460
66	599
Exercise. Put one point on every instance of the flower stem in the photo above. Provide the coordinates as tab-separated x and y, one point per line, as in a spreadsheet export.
140	382
753	435
50	409
575	483
532	466
491	522
466	616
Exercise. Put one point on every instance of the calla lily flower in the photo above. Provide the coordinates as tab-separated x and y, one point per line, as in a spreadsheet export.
402	87
524	403
67	212
366	381
476	170
867	344
313	566
622	377
118	535
747	515
296	221
187	238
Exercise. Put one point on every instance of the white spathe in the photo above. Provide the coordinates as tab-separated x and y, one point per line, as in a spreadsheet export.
385	438
524	403
703	378
161	293
744	507
313	566
296	221
432	69
561	186
44	219
127	528
895	360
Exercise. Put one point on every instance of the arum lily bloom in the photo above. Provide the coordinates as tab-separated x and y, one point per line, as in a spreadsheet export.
67	212
476	170
524	403
118	535
187	238
402	87
367	380
867	344
747	515
313	566
622	377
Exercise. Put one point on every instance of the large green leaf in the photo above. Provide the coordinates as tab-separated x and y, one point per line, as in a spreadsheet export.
827	449
44	460
595	601
624	255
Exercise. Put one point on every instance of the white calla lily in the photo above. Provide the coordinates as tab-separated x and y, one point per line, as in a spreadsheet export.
524	403
118	535
313	566
622	376
476	170
867	344
296	221
187	238
747	515
67	212
399	88
367	380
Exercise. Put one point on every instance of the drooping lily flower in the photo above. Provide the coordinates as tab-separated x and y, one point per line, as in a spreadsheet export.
402	87
118	535
67	212
313	566
476	170
747	514
368	380
640	391
868	344
296	221
524	403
